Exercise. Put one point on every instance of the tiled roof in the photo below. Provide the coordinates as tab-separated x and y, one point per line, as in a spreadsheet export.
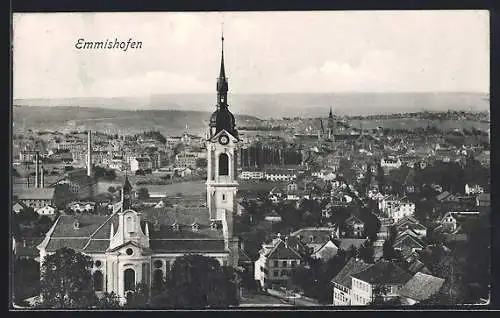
352	266
321	234
346	243
418	266
421	286
353	220
326	251
243	256
283	251
406	240
36	194
186	246
28	247
383	272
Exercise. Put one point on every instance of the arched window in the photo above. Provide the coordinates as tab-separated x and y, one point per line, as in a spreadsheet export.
98	281
130	224
129	279
223	164
158	279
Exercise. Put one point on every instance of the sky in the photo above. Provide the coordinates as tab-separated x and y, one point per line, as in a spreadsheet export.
265	52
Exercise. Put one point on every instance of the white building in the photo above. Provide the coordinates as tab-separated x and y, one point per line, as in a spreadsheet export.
252	175
140	163
390	163
473	189
46	210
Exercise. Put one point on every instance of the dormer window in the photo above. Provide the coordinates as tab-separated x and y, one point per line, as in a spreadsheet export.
195	227
175	227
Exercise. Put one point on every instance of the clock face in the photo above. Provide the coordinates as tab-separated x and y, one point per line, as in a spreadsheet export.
224	140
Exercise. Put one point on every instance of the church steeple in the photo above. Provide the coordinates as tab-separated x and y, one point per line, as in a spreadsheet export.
331	114
126	194
222	118
222	86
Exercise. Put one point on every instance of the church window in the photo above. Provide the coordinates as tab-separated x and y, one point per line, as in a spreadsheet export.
130	224
158	279
158	263
129	279
223	197
129	251
98	281
223	164
98	263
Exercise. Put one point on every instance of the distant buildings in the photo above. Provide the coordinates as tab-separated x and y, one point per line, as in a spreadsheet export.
37	198
140	163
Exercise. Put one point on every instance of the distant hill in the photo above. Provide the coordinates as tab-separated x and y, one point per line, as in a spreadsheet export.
288	104
169	122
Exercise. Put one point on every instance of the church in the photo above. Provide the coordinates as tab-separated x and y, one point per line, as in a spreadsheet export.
129	247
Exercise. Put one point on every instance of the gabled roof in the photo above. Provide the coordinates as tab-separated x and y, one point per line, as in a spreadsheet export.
408	241
353	220
418	266
352	266
326	251
442	196
283	251
383	272
421	286
346	243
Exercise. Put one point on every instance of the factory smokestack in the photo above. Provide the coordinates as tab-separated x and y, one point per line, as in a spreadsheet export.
42	183
89	154
37	169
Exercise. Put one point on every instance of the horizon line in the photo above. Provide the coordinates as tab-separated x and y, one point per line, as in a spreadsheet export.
256	93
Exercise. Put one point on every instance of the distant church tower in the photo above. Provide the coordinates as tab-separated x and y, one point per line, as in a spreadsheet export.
222	140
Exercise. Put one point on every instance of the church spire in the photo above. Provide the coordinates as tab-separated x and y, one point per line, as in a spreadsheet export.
222	86
331	114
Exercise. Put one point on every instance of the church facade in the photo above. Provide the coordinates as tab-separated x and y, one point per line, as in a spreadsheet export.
130	247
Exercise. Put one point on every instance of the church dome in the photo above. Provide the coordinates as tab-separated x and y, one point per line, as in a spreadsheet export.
223	119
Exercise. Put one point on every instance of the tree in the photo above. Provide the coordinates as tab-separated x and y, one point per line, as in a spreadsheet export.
366	253
108	301
201	163
139	297
197	281
66	280
111	189
142	193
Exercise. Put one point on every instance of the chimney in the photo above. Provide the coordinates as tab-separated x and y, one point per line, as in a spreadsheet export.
42	183
89	154
36	170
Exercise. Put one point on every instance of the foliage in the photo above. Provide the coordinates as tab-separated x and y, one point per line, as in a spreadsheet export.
156	135
107	301
201	163
103	173
66	280
139	297
366	252
142	193
197	281
111	189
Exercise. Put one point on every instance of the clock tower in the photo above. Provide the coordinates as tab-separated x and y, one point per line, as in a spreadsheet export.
222	140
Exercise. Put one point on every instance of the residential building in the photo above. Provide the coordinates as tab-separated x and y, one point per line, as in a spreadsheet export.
275	263
46	210
420	287
36	198
252	175
342	282
473	189
382	275
188	159
140	163
355	226
483	200
389	163
281	175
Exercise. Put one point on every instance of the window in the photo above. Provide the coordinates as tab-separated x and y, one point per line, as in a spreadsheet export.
129	251
129	279
284	263
276	264
223	197
294	263
130	224
276	273
98	263
98	281
223	164
284	272
158	263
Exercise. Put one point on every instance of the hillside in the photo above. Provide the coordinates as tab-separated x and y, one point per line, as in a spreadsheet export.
170	122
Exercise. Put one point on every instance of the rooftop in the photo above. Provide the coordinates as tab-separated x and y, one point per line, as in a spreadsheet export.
384	272
352	266
421	286
36	194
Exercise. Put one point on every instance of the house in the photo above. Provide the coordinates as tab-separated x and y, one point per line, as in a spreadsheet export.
315	237
420	287
382	274
46	210
325	251
36	197
473	189
355	226
140	163
415	266
252	175
407	244
342	282
348	243
449	223
390	162
409	222
18	206
275	263
276	194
